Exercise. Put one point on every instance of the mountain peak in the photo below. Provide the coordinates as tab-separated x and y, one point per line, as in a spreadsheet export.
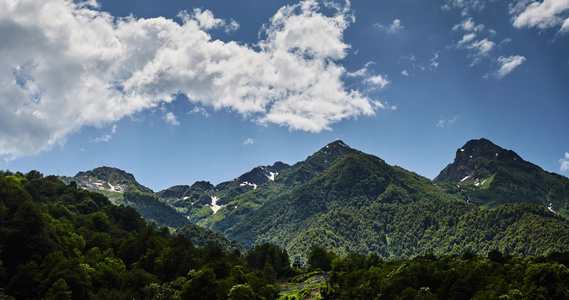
477	159
336	143
108	179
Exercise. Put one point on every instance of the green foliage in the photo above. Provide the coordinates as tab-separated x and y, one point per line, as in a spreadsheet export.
151	207
320	258
497	176
448	277
361	204
241	292
59	242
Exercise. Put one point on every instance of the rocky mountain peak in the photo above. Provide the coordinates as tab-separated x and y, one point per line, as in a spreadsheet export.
476	160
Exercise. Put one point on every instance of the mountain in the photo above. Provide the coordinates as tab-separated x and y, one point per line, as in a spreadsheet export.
122	188
489	176
349	201
241	207
228	190
112	182
202	199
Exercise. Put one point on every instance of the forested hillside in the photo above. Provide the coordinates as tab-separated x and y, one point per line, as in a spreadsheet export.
61	242
361	204
449	277
122	188
350	201
489	176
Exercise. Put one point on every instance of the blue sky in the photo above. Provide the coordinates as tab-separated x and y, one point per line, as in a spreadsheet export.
179	91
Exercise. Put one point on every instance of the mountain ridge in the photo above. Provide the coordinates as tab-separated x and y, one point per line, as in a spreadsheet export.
489	176
347	200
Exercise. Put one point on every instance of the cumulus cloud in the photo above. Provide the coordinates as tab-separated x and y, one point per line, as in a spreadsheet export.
66	65
508	64
541	14
394	27
378	81
564	163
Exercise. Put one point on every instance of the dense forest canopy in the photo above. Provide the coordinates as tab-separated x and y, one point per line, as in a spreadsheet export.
61	242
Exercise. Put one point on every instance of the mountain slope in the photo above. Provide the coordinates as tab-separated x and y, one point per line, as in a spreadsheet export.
489	176
122	188
357	202
356	181
202	200
243	206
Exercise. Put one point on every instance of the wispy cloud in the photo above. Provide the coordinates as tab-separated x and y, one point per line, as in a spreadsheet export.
199	110
248	141
85	67
564	163
423	64
468	25
444	122
508	64
375	82
107	137
394	27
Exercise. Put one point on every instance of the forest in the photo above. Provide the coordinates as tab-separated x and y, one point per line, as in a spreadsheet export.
61	242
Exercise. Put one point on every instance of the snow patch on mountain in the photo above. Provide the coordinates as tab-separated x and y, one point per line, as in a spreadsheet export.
214	205
249	184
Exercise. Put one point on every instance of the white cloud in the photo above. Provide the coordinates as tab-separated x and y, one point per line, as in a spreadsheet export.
434	63
66	65
465	5
565	26
508	64
199	110
468	25
479	48
442	122
393	28
171	119
483	47
107	137
378	81
404	73
248	141
564	163
541	14
467	38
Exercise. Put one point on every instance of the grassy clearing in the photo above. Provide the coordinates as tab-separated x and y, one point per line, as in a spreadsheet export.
311	289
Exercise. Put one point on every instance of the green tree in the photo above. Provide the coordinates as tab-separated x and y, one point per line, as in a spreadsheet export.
59	290
241	292
320	258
